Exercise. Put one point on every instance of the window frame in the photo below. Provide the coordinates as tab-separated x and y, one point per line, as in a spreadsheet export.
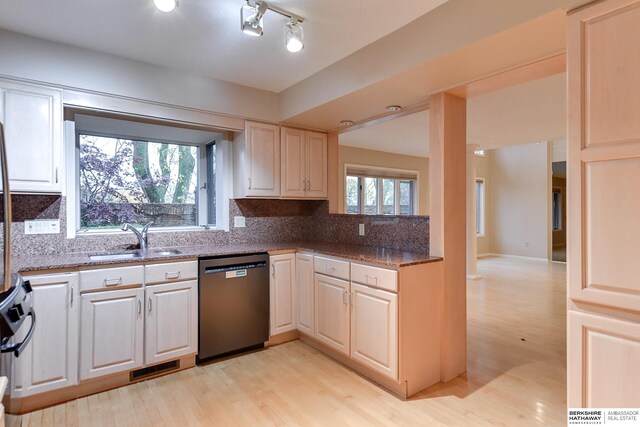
380	189
73	187
481	229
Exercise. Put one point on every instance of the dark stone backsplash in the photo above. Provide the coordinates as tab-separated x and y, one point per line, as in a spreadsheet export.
266	221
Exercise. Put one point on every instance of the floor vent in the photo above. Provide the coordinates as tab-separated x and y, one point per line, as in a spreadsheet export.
150	371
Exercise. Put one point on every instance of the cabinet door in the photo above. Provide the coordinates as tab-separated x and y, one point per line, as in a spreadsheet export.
603	165
263	159
294	179
282	293
111	332
316	165
171	325
304	292
32	117
332	312
50	361
374	329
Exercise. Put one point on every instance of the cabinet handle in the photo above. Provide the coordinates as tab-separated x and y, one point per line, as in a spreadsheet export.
149	305
249	183
56	175
326	267
351	298
344	297
172	275
139	307
71	297
309	185
304	185
367	277
114	281
273	271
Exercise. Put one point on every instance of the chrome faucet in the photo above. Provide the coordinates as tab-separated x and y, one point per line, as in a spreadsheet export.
141	235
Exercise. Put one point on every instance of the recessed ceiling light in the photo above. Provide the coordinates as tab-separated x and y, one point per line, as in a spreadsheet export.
394	108
346	122
165	5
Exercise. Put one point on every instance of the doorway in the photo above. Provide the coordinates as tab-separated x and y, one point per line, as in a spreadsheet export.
559	211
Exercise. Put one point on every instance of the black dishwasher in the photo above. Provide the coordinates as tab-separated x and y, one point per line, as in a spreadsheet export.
233	304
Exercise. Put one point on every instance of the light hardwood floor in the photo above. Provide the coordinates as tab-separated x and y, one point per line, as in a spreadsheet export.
516	375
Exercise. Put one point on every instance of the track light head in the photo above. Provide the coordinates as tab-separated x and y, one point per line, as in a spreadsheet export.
251	18
294	36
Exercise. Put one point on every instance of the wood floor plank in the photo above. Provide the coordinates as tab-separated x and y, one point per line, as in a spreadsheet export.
516	375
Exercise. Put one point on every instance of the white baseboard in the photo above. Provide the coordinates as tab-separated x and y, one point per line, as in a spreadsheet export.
484	255
528	258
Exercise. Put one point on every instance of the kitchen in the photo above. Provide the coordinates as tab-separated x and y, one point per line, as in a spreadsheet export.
224	225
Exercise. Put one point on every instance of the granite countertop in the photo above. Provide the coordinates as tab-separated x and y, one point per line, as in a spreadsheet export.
375	255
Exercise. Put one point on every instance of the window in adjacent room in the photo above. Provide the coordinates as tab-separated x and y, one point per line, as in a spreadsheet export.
162	174
480	207
379	192
557	209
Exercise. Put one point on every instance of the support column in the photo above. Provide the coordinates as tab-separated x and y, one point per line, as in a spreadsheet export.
472	239
447	170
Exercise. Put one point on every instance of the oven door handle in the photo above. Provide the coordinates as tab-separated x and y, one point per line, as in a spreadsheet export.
18	347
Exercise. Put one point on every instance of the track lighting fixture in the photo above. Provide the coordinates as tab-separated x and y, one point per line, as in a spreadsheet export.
251	22
165	5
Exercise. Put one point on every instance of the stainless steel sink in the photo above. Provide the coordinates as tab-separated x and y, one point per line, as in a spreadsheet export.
116	257
166	252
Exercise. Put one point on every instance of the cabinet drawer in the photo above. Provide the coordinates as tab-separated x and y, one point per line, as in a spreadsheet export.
170	272
331	267
374	276
111	278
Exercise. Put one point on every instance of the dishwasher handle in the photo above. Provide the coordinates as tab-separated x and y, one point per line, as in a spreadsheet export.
225	268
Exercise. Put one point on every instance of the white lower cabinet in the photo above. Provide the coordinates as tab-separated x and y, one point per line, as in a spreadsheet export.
50	361
374	329
282	293
332	312
111	333
171	321
304	294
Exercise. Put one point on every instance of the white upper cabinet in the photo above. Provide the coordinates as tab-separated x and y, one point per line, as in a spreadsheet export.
316	165
50	361
257	161
294	179
304	164
32	118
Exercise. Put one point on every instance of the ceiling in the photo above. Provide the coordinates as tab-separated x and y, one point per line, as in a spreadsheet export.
407	135
521	114
204	37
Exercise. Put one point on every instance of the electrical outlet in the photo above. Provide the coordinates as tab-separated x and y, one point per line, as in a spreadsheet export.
42	226
239	222
361	229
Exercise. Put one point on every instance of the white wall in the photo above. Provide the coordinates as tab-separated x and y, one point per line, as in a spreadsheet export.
519	199
58	64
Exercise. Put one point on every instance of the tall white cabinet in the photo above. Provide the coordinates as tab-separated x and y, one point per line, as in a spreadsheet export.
50	361
32	118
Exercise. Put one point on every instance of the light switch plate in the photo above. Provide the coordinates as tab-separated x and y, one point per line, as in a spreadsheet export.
239	222
361	229
42	226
